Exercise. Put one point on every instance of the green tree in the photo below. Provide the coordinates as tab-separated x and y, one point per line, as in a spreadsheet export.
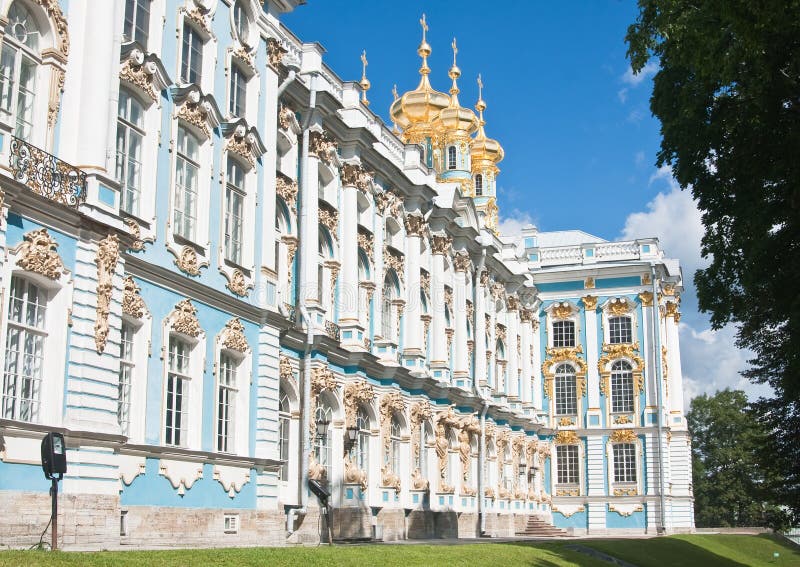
727	94
730	482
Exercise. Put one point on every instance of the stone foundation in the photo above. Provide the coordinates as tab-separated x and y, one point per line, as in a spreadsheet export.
352	523
393	522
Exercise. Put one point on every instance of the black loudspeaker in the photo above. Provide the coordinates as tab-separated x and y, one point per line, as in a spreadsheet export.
54	456
320	490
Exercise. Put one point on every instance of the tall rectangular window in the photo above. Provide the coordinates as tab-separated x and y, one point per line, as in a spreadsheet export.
17	88
226	396
177	403
621	387
126	367
186	185
624	462
130	136
137	21
25	347
284	423
567	463
191	55
234	212
565	391
563	334
238	92
620	330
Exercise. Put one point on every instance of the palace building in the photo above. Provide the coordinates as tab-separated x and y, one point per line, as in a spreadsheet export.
222	276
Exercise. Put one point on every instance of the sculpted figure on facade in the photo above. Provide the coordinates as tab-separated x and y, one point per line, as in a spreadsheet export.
391	404
420	412
445	421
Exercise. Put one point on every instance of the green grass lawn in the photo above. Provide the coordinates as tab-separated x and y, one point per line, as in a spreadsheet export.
694	550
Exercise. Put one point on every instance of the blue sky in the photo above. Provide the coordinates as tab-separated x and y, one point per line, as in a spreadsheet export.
580	142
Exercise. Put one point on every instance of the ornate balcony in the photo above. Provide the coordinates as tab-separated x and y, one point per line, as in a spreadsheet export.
46	175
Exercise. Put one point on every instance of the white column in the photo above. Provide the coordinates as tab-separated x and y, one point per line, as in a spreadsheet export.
268	124
512	376
480	329
674	375
88	114
348	286
412	326
440	246
651	394
309	225
526	333
377	276
536	361
461	364
593	376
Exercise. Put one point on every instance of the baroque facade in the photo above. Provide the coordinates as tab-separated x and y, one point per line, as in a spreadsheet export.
250	281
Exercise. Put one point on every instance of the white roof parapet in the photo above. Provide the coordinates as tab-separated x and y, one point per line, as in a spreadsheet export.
594	252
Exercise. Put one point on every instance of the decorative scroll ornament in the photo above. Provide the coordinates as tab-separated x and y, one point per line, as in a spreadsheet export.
393	260
526	315
38	254
445	421
275	52
470	310
415	225
672	310
562	310
448	297
366	243
137	245
441	244
618	307
588	283
237	283
355	394
622	419
233	336
589	302
461	261
106	260
622	436
567	354
354	175
140	73
285	370
285	117
322	379
322	146
286	189
498	290
329	218
242	144
425	281
500	332
512	303
389	479
132	302
196	112
354	475
244	55
566	421
646	298
566	437
382	201
612	352
188	261
185	319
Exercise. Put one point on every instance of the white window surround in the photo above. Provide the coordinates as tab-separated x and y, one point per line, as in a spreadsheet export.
241	407
59	299
141	339
553	316
610	469
607	314
49	63
208	50
194	392
581	471
155	27
248	9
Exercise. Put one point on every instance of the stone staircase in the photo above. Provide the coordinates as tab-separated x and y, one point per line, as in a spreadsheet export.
537	527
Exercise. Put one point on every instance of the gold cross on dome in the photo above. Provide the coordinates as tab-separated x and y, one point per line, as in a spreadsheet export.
455	50
480	86
424	25
364	63
394	92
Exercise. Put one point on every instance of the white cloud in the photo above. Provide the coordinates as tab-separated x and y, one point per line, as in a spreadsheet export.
672	216
639	158
513	224
622	95
647	71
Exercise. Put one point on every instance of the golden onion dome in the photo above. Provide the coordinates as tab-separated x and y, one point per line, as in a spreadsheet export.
419	107
484	149
455	119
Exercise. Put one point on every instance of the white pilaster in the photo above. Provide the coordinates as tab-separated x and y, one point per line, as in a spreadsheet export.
461	364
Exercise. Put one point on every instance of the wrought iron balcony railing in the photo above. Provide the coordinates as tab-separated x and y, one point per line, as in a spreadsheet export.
46	175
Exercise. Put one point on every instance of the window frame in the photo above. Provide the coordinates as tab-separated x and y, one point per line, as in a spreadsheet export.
135	7
131	129
32	57
190	68
566	390
452	158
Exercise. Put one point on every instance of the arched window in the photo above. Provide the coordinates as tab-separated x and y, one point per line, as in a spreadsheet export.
478	185
130	139
563	334
388	326
322	440
137	21
18	68
565	391
325	251
500	366
234	211
394	445
240	21
187	169
451	157
620	330
361	446
621	387
26	336
508	470
284	423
